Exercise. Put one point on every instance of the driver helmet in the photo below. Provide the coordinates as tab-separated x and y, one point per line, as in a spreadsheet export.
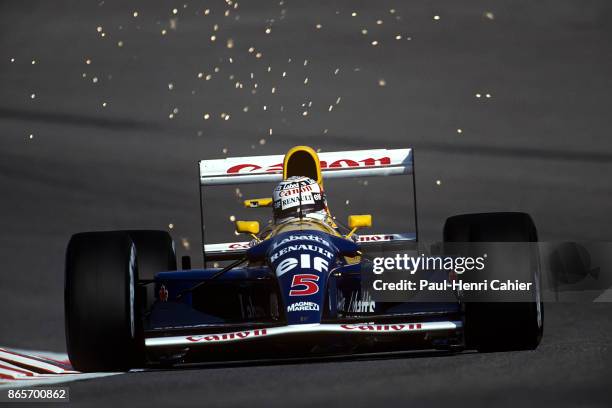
298	196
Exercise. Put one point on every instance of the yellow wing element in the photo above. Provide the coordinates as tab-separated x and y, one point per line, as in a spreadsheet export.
302	161
358	221
258	202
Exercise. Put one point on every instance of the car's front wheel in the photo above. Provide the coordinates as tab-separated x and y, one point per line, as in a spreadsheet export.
101	311
502	325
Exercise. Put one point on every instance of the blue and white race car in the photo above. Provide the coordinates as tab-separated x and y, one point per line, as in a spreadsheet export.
295	288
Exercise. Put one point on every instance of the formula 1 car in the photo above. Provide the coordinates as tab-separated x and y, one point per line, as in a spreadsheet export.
293	290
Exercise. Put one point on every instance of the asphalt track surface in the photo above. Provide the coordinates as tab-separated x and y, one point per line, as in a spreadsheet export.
540	143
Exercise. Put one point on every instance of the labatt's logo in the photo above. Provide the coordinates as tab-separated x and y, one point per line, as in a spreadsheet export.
340	163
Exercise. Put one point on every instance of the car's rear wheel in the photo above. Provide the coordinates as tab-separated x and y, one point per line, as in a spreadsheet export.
101	311
497	326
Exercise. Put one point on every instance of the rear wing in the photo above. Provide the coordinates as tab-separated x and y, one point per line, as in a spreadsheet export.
264	169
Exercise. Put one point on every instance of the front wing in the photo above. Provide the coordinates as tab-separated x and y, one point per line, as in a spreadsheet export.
304	329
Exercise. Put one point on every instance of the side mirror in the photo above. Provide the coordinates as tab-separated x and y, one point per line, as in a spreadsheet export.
247	227
359	221
258	202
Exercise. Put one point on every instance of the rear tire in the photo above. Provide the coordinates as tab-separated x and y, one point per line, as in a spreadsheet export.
498	326
102	315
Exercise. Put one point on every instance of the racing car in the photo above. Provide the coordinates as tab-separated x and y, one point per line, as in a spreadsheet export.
294	288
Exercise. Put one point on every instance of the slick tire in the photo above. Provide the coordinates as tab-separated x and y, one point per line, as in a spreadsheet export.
101	311
502	326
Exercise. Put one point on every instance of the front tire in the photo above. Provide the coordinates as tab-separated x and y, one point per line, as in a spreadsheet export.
102	317
500	326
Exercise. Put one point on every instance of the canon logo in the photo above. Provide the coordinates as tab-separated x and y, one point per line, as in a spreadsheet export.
227	336
372	238
239	245
340	163
382	327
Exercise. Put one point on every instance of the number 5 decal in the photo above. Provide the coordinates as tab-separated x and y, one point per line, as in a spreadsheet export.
306	280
